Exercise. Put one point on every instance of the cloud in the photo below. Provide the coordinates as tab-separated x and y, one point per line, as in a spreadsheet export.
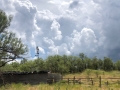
47	42
67	26
82	41
61	50
56	33
7	5
41	50
25	14
23	23
74	4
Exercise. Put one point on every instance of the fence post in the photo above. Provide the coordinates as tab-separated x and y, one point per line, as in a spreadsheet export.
74	80
68	80
107	83
118	82
80	81
92	81
61	77
100	81
53	79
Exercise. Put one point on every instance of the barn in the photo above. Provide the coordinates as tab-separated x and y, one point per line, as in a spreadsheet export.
32	78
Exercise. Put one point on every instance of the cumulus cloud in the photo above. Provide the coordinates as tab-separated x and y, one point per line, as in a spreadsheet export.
25	14
56	33
74	4
82	41
67	26
47	42
41	50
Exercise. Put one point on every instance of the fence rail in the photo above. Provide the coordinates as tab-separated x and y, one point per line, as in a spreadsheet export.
88	81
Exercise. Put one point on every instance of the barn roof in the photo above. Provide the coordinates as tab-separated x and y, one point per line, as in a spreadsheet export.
24	73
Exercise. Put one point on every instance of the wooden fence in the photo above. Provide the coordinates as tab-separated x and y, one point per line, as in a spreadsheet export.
88	81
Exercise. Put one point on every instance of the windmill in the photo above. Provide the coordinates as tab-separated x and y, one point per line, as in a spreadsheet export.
37	51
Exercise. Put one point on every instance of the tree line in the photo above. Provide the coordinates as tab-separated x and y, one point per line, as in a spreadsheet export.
63	64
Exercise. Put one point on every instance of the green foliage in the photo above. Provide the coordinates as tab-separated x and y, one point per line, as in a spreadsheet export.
11	47
28	66
118	65
39	64
95	63
4	21
23	61
108	64
57	64
63	64
82	56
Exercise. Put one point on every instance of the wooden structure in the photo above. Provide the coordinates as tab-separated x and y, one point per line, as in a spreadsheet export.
92	81
29	77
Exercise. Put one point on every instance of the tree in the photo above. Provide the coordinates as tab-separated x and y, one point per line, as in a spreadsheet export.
95	63
80	65
39	64
88	63
4	21
23	61
100	64
118	65
11	47
29	66
82	56
108	64
15	66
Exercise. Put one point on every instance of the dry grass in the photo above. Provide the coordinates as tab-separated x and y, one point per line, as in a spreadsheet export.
58	87
94	74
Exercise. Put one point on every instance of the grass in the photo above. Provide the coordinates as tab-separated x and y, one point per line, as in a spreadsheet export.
94	74
57	87
113	84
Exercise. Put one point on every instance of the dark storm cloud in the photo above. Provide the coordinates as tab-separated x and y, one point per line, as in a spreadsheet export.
114	54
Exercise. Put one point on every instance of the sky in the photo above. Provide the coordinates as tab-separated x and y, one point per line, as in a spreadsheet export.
67	26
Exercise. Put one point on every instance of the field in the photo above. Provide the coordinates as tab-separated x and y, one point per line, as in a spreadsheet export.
113	84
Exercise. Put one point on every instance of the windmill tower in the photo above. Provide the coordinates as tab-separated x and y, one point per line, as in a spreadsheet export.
37	52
